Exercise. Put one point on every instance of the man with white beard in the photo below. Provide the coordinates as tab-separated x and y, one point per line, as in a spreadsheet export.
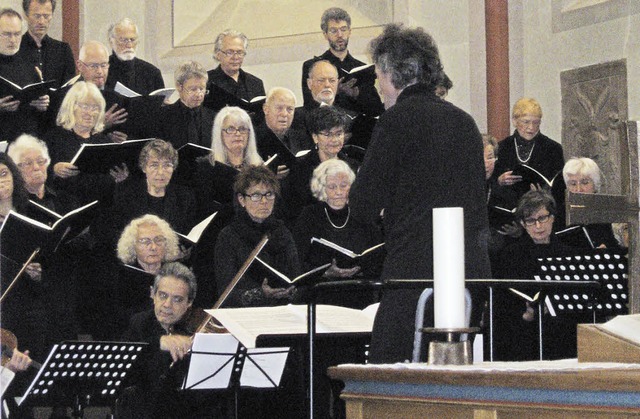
138	75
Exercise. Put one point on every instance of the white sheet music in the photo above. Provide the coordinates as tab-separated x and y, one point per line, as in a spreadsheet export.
213	359
219	349
247	324
271	360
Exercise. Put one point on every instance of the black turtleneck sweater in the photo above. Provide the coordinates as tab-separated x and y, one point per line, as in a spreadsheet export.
236	242
138	75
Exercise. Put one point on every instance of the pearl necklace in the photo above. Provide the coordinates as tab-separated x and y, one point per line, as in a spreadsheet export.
345	221
518	153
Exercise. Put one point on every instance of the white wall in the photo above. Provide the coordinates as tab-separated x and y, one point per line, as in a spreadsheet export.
55	30
457	26
538	55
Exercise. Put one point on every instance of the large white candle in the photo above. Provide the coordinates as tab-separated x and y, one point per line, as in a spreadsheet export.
448	267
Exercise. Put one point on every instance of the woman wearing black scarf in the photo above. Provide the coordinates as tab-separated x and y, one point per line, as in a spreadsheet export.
256	189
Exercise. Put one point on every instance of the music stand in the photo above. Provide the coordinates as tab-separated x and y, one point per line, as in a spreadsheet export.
84	373
532	285
220	362
609	267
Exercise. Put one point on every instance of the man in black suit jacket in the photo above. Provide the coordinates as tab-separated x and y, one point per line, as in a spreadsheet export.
138	75
364	98
323	84
54	58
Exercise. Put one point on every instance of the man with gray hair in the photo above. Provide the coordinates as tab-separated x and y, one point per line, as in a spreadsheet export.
229	50
163	328
136	74
275	135
359	97
54	58
418	134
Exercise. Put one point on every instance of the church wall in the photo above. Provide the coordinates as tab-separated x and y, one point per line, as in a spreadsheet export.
278	62
604	32
540	47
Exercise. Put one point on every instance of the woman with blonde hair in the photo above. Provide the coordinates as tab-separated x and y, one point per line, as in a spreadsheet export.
80	120
527	145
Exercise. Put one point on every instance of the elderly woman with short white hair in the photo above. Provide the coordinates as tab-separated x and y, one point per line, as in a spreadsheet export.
31	155
582	175
330	218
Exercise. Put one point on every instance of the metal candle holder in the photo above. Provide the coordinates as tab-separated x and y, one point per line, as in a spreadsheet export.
447	346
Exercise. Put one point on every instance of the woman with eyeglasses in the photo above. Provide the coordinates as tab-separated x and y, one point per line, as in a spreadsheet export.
155	193
526	146
255	189
582	175
24	310
330	218
517	333
233	148
186	120
328	127
81	120
146	243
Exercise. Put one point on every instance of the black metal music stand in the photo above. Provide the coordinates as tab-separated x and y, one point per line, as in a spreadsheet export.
317	290
80	374
220	362
609	267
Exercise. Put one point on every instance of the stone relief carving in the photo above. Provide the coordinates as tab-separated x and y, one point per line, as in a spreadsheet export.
594	109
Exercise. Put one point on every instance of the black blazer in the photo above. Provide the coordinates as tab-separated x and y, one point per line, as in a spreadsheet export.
172	125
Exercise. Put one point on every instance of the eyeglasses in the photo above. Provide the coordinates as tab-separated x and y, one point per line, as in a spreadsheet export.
47	17
28	164
257	196
95	66
8	35
334	31
334	134
125	41
583	182
158	241
156	166
88	108
543	219
233	130
192	91
529	122
230	53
